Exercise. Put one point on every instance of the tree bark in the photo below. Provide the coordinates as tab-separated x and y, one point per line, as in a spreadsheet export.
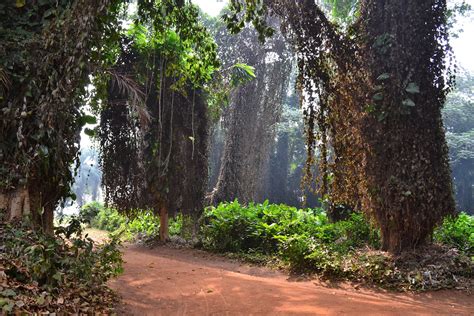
20	205
408	183
16	203
164	225
254	111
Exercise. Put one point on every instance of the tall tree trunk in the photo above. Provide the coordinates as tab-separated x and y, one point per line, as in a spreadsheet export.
408	175
164	226
379	97
255	109
20	205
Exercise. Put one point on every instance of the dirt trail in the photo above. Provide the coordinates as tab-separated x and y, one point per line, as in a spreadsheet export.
166	281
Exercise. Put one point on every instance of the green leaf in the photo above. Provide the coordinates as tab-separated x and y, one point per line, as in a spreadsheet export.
8	293
412	88
249	70
241	73
369	108
89	132
20	3
383	76
408	102
88	119
378	96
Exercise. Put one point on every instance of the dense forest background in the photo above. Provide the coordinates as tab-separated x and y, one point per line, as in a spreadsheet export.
281	154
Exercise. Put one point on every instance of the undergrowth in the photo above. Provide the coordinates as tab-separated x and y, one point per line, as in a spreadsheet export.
144	226
62	273
305	241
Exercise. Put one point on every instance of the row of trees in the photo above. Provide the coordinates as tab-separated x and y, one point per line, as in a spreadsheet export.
373	88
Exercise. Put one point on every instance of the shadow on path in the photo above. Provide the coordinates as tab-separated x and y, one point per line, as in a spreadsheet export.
166	281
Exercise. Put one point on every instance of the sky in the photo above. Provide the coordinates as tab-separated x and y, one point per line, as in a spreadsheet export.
211	7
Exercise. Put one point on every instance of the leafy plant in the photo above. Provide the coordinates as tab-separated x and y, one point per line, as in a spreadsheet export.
457	232
90	211
141	225
306	241
39	267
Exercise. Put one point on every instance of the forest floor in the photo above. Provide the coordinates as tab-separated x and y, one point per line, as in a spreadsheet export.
171	281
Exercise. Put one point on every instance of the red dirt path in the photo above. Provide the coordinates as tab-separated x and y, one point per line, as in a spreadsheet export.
166	281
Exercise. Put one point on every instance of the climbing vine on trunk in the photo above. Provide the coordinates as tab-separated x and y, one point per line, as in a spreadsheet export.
372	105
43	78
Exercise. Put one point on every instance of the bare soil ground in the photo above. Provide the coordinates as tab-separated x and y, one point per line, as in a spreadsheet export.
168	281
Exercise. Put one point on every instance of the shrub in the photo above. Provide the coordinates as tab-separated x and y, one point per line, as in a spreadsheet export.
108	219
307	241
41	270
144	224
89	211
457	232
272	228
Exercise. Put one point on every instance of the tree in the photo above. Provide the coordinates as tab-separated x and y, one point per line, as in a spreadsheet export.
373	98
254	110
41	102
48	49
154	155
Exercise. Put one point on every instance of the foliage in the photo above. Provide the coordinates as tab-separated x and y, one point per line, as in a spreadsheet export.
65	272
372	107
141	225
266	227
41	101
457	232
343	11
108	219
158	161
242	12
89	211
308	242
254	109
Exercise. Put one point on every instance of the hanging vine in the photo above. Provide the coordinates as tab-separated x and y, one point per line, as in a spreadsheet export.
372	97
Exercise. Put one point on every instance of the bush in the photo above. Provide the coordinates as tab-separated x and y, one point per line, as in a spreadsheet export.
306	241
89	211
457	232
144	225
272	228
41	272
108	219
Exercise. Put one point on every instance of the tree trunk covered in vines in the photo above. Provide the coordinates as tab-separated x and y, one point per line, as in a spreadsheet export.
408	175
158	162
254	110
374	97
43	72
